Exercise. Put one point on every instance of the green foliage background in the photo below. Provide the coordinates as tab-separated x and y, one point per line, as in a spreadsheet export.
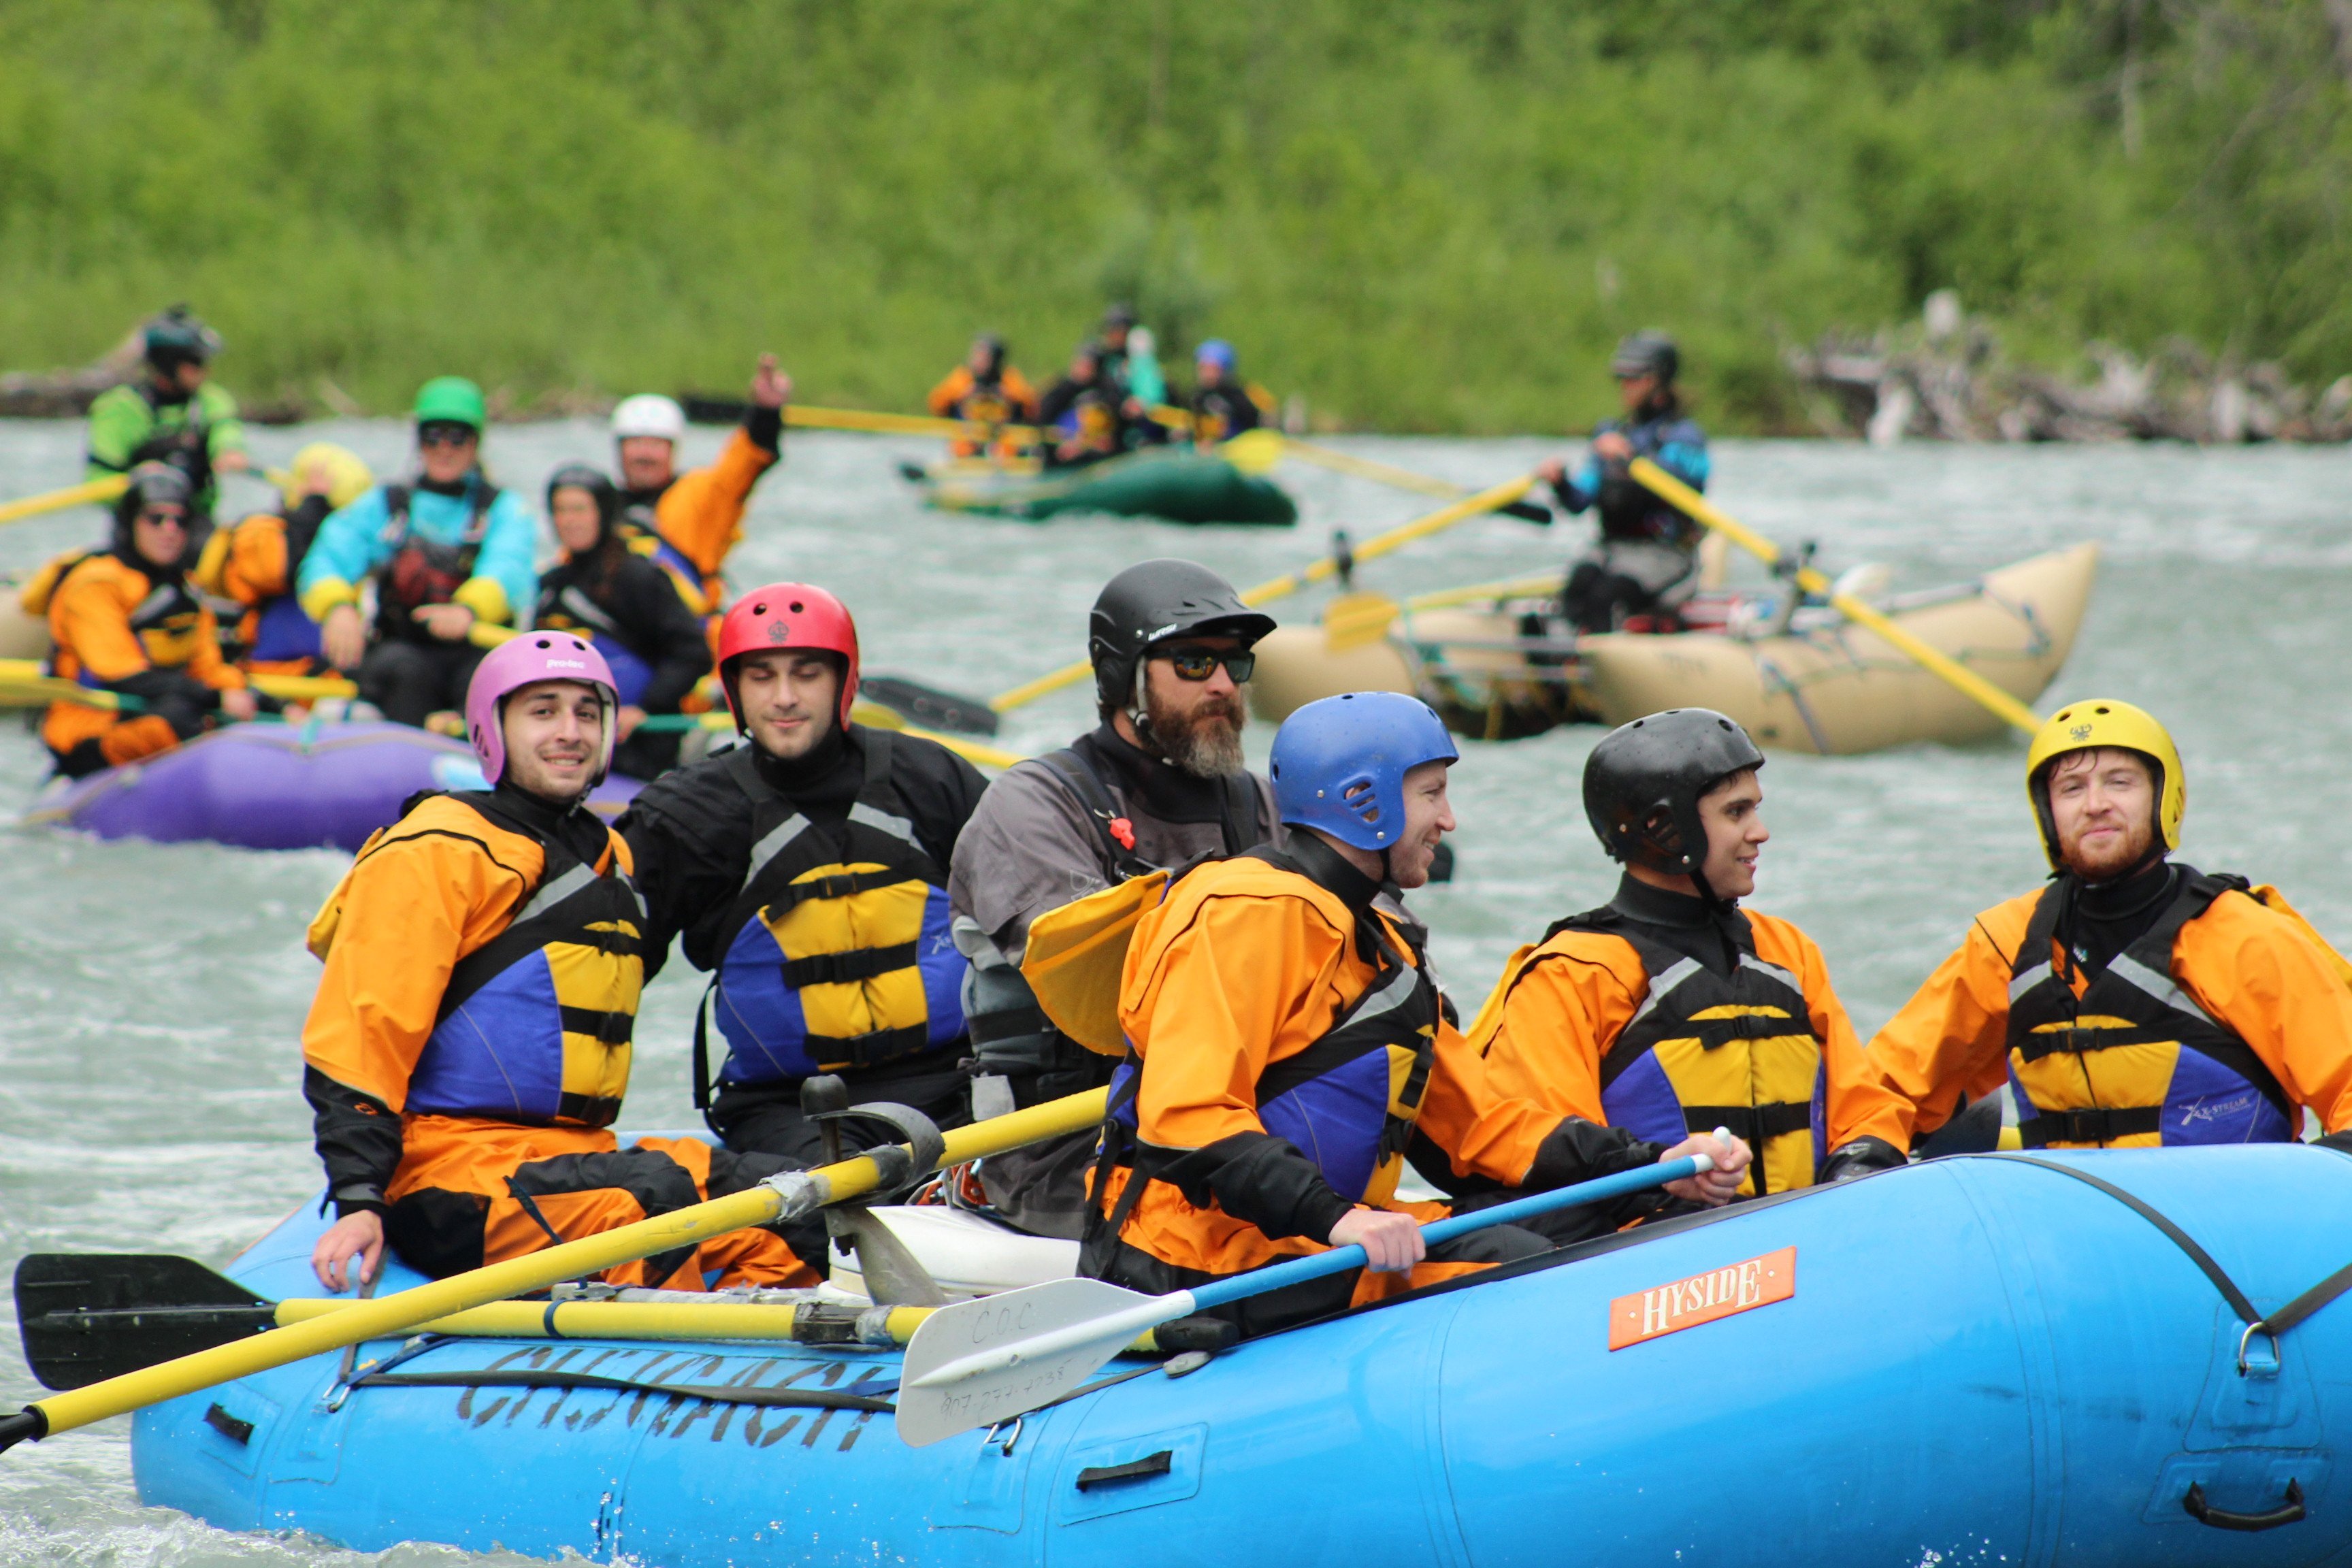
1425	215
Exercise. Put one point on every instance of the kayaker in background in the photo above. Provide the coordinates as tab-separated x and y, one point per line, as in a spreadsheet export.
447	549
807	871
2133	1001
176	415
1645	565
687	522
126	619
1082	412
467	1052
1221	405
628	608
1670	1008
1158	782
985	389
253	564
1111	349
1289	1049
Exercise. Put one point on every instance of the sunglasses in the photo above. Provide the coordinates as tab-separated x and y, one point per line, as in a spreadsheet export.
157	515
1194	662
445	435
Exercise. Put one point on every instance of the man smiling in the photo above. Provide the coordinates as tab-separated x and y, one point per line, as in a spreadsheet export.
1670	1008
2134	1001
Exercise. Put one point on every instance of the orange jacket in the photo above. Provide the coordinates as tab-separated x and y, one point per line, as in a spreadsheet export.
2247	965
701	514
1244	964
1012	389
247	563
1561	1006
90	602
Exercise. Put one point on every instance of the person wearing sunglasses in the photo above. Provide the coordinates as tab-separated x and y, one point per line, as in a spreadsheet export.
126	620
1158	782
445	550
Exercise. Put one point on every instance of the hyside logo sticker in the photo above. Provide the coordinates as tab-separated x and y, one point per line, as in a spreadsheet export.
1702	1298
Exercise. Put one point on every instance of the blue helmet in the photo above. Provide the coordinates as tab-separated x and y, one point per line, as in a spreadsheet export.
1215	351
1339	763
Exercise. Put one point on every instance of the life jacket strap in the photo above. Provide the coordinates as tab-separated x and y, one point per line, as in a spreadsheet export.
613	1028
834	1052
840	968
2099	1126
1755	1123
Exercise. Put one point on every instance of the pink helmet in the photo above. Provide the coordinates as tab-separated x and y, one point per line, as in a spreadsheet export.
519	661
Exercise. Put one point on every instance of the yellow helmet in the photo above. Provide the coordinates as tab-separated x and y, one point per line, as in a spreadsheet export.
2089	725
349	476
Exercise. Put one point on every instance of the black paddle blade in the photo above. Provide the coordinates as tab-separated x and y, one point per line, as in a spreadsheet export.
1526	510
929	706
87	1317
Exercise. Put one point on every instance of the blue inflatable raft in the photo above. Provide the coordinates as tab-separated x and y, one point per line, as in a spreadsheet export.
1970	1361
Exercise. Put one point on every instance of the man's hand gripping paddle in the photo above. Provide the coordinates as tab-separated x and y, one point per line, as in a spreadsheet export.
987	1359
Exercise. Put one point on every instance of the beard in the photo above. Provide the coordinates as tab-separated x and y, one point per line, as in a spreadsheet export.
2129	853
1205	740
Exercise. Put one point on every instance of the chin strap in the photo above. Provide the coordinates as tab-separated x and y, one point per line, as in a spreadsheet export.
1139	712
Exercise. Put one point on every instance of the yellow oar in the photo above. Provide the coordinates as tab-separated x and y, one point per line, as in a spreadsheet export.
25	679
1372	549
1959	677
899	423
103	490
789	1197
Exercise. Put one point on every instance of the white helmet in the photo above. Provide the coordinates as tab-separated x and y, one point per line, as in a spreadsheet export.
649	413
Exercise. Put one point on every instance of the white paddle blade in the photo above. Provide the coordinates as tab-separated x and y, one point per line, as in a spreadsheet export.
992	1358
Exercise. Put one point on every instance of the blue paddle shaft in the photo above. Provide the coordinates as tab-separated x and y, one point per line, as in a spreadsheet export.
1339	1260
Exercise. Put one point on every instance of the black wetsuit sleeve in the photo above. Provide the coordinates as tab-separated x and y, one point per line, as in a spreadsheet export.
1580	1150
1058	399
943	791
766	429
1262	1180
689	845
358	1138
671	636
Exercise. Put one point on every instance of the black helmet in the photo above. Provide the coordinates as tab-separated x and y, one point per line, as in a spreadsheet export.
1647	353
176	338
1643	781
146	485
1121	314
1149	603
599	485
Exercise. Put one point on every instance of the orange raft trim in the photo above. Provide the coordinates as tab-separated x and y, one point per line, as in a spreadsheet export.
1702	1298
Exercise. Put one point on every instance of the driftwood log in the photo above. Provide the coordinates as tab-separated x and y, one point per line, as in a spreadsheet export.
1944	378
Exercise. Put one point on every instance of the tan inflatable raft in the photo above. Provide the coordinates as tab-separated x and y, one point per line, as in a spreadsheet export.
1821	685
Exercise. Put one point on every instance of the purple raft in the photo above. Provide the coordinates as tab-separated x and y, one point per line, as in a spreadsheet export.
276	787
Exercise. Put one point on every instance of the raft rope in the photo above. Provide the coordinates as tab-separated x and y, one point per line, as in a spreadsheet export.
2270	1326
716	1394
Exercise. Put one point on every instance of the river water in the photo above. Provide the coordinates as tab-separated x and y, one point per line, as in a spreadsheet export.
150	997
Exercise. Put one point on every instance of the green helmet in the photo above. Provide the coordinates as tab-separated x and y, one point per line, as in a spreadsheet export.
451	399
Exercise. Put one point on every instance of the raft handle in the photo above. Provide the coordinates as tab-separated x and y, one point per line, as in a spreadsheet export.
227	1426
2291	1511
1161	1463
2258	1369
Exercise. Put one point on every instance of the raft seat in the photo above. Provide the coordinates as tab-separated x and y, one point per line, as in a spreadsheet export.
968	1255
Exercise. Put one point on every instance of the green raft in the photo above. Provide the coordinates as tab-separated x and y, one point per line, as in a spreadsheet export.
1180	487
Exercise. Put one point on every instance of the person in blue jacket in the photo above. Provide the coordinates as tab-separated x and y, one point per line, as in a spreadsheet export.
447	550
1645	565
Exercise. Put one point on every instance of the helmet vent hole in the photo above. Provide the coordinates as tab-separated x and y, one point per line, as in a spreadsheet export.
544	643
798	607
1360	798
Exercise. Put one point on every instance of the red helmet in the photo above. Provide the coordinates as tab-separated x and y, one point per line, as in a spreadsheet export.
788	615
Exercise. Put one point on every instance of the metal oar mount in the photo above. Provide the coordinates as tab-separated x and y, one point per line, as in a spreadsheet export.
990	1359
790	1196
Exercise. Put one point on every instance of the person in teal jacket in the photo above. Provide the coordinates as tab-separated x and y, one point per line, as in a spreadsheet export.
174	416
450	553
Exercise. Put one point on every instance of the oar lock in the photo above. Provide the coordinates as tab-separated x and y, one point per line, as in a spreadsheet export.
825	1100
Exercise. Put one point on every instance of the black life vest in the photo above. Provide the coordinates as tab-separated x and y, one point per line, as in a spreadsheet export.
2135	1059
535	1025
1349	1102
838	954
1708	1050
421	572
187	447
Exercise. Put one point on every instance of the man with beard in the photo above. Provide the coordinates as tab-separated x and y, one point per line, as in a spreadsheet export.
2132	1002
807	871
1158	783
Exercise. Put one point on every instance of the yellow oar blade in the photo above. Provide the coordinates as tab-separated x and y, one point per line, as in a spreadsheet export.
1934	660
103	490
898	424
791	1195
1366	469
1254	452
1351	620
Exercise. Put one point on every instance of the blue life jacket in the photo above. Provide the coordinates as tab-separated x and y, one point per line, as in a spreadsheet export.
839	956
2136	1059
283	630
1349	1102
535	1024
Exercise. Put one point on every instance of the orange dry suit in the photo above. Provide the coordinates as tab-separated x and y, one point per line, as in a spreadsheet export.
469	1045
688	526
1008	399
120	625
1287	1050
253	565
1658	1015
2210	1013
